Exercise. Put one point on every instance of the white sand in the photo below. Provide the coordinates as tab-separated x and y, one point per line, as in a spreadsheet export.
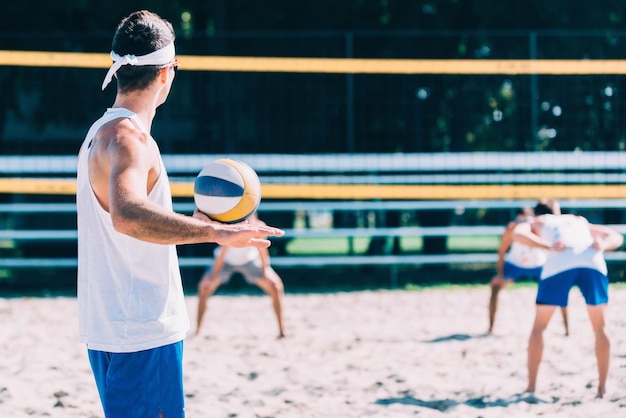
376	354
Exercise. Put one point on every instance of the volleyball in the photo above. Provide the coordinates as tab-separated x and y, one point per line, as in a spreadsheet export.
227	191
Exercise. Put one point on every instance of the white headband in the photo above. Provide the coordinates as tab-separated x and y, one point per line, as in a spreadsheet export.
161	56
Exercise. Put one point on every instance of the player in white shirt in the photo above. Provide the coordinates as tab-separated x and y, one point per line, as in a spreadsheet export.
575	258
131	307
254	265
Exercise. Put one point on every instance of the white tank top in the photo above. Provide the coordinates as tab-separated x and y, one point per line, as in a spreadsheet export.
130	294
574	232
524	256
240	256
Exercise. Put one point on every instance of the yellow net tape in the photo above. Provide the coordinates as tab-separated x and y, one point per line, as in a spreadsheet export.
360	191
330	65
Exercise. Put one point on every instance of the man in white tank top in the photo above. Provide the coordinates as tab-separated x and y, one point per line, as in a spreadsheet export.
132	312
254	265
575	258
516	261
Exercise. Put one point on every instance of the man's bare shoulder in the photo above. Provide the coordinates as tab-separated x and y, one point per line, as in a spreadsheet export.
119	133
121	144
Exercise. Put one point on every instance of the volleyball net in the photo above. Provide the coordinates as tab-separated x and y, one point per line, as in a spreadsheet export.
363	128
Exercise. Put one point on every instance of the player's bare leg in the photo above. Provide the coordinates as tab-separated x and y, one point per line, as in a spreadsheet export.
602	346
497	284
273	286
206	288
565	320
535	343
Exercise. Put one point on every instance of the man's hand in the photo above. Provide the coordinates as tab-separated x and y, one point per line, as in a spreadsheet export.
242	234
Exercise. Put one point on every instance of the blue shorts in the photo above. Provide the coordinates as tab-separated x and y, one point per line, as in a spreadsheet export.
593	285
514	272
140	384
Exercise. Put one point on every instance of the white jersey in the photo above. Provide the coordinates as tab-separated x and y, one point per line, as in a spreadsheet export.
130	294
574	232
526	257
240	256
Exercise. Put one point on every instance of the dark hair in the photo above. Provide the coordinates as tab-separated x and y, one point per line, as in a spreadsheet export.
140	33
542	209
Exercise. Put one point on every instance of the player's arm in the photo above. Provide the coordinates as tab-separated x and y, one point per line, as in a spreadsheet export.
264	255
132	157
218	262
605	238
523	233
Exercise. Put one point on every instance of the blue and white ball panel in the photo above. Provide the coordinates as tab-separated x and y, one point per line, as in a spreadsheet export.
215	205
224	170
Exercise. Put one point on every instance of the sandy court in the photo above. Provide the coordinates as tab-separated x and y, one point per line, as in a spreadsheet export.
353	354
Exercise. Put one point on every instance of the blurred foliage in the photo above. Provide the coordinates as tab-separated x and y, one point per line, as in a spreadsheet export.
235	15
417	114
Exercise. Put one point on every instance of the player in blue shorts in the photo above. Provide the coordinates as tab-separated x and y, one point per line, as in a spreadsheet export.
575	258
516	261
132	312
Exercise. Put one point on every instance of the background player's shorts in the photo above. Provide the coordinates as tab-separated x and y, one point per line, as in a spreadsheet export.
251	271
140	384
512	271
593	285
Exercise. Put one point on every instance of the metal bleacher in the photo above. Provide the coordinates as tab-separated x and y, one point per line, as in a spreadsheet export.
434	182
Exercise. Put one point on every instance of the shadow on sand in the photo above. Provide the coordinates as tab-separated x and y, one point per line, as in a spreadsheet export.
456	337
479	403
